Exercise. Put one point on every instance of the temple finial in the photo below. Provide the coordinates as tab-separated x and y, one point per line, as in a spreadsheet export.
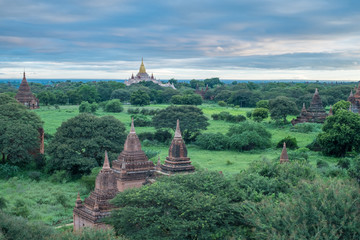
96	205
330	111
78	197
106	161
284	156
316	91
132	129
177	131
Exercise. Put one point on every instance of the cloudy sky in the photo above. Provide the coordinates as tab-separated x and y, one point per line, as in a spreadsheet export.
181	39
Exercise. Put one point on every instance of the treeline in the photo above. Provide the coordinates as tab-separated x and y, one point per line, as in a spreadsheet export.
213	90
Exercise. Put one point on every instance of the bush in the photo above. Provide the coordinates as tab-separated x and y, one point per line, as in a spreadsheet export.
222	103
141	121
305	127
344	163
89	180
224	115
260	114
215	116
162	135
263	104
133	110
114	106
321	164
151	153
86	107
314	146
7	171
299	154
248	114
20	208
146	135
3	204
234	119
34	175
59	176
291	143
213	141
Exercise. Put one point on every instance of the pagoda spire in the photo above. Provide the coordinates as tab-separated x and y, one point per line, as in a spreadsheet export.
106	165
177	131
284	156
330	111
78	202
142	67
132	129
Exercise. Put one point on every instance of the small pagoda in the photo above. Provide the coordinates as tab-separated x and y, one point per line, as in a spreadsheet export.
314	114
132	166
25	96
284	156
177	161
94	208
354	100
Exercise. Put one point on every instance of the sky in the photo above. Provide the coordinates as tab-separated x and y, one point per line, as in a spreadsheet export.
181	39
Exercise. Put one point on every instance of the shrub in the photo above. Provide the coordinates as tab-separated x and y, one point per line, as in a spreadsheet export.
213	141
237	118
114	106
87	107
260	114
344	163
20	208
141	121
3	204
321	164
34	175
146	135
248	114
144	111
299	154
222	103
7	171
224	115
215	116
263	104
291	143
151	153
162	135
89	180
305	127
314	145
133	110
59	176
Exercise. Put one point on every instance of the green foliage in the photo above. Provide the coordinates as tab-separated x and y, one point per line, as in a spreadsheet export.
315	210
151	153
226	116
133	110
280	107
162	135
141	121
263	104
260	114
197	206
344	163
121	94
192	120
86	107
88	234
249	114
321	164
114	106
340	134
222	103
212	82
140	98
291	143
213	141
7	171
306	127
59	176
248	135
187	99
79	143
20	208
34	175
3	203
340	105
89	180
354	170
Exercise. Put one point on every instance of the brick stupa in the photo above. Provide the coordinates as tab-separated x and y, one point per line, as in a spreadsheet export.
284	156
25	96
90	212
177	161
314	114
354	100
132	166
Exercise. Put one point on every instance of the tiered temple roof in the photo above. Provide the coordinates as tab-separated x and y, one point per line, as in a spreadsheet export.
314	114
25	96
143	76
97	206
354	100
177	161
132	166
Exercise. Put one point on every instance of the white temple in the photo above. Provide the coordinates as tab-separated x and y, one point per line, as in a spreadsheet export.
143	76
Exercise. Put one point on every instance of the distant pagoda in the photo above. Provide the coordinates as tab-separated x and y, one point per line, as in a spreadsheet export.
284	156
96	207
177	161
25	96
354	100
143	76
314	114
132	167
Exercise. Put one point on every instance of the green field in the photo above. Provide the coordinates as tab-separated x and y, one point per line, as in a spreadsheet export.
42	198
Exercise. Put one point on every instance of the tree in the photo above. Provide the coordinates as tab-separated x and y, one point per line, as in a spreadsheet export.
344	105
260	114
340	134
212	82
192	120
80	142
114	106
263	104
19	135
280	107
140	98
120	94
86	107
87	93
187	99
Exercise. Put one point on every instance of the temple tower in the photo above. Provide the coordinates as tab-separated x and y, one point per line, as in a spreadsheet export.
284	156
96	206
25	96
177	161
132	166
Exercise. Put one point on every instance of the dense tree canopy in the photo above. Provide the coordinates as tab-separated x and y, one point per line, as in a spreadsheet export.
192	120
80	142
19	135
140	98
280	107
340	134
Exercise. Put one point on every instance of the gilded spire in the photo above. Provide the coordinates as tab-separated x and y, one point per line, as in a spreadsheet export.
284	156
106	165
132	129
177	131
142	67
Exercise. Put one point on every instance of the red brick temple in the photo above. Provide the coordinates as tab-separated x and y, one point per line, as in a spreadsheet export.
94	208
314	114
354	100
25	96
177	161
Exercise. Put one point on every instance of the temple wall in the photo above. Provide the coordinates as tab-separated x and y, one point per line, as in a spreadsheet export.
80	222
121	185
